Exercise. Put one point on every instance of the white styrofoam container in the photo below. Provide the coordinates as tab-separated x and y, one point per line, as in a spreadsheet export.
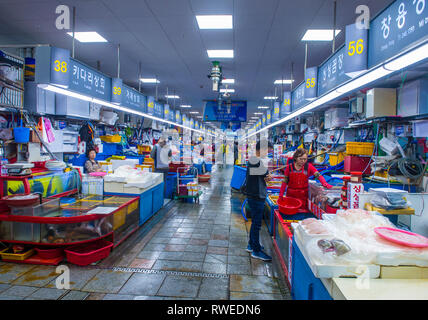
128	162
334	271
420	129
115	187
92	186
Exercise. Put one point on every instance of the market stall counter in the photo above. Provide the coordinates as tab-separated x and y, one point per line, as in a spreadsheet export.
348	245
71	221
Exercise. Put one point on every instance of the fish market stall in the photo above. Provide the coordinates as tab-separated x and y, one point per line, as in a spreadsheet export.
63	224
147	186
358	244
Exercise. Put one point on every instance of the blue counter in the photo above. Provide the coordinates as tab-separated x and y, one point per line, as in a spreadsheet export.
151	201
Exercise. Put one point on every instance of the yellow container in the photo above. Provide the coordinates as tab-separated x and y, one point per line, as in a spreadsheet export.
133	206
143	148
145	166
360	148
335	158
111	139
16	256
119	218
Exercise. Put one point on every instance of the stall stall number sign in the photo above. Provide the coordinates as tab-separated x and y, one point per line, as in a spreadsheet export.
116	93
150	105
332	72
356	50
401	24
311	83
276	111
286	104
268	117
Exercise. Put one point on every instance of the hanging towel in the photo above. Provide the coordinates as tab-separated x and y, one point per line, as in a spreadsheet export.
49	130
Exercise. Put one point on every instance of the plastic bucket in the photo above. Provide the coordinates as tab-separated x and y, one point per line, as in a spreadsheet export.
21	134
288	205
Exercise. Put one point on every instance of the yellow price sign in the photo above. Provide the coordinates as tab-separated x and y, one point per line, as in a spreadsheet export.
60	66
356	47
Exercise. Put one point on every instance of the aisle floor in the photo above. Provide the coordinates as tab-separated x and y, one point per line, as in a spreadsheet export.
186	251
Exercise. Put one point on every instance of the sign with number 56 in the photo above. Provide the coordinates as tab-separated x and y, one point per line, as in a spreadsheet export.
356	50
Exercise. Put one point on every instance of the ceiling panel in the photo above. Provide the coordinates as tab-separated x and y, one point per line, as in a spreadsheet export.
163	35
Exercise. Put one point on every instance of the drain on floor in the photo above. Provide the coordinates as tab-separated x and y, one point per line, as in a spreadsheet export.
172	273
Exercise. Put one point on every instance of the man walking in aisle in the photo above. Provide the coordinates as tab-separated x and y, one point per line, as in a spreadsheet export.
161	153
256	192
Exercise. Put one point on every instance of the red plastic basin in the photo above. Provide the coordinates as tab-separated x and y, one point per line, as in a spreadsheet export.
50	253
88	253
288	205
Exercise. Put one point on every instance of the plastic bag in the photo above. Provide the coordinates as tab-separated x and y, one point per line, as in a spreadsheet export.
389	199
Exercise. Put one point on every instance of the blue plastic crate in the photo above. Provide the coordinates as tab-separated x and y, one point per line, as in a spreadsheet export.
171	185
208	167
238	177
110	148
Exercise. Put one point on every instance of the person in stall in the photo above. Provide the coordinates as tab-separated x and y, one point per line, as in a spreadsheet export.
92	165
297	176
161	154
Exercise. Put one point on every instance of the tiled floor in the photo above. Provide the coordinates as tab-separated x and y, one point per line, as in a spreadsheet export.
187	251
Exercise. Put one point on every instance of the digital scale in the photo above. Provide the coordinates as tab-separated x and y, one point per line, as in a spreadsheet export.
19	169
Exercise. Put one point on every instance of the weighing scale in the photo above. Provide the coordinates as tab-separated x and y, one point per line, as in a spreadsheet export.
19	169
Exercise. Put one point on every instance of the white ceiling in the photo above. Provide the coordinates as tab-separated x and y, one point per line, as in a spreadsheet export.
163	35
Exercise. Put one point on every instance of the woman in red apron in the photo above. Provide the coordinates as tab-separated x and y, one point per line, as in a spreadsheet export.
297	178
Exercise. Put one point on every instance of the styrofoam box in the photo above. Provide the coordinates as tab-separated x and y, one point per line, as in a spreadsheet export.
116	187
128	162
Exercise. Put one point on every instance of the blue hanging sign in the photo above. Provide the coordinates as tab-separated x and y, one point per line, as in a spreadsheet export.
332	72
116	90
158	112
276	111
53	66
286	104
298	97
268	117
401	24
311	83
88	81
178	119
151	105
356	50
236	111
166	112
132	99
192	123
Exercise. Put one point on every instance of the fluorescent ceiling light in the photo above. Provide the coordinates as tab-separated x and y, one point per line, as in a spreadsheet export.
364	80
228	81
87	36
263	107
319	35
227	90
64	92
271	98
194	112
283	81
215	21
408	59
149	80
220	53
258	112
172	97
185	106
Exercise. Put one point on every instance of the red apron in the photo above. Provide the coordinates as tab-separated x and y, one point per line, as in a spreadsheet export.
298	186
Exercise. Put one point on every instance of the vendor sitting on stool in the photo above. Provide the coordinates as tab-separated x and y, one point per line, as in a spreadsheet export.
91	165
297	178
